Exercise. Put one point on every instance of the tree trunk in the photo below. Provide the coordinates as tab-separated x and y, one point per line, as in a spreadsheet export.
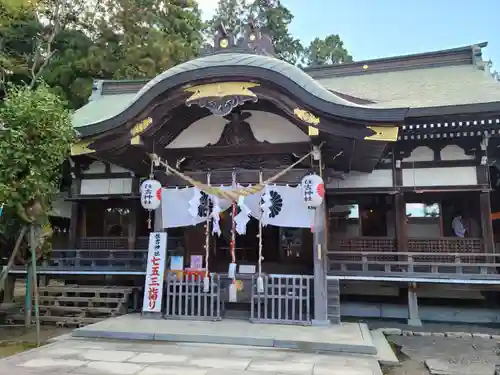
5	271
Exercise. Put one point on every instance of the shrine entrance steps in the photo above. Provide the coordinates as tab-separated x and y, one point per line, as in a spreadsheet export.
346	337
333	300
77	305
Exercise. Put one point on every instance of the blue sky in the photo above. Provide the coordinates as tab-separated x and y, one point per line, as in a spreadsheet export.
382	28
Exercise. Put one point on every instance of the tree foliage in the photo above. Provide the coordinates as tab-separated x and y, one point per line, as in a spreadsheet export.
328	51
275	18
141	38
35	126
35	138
71	42
96	39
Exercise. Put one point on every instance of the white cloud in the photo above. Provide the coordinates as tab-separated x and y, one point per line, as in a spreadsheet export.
208	8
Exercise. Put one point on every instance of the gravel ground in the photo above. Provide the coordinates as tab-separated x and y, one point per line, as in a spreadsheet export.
17	339
460	356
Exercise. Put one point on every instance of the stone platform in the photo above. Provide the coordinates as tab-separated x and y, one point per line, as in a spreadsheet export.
77	356
352	338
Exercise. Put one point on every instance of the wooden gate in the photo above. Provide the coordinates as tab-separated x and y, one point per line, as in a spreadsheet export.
286	300
185	298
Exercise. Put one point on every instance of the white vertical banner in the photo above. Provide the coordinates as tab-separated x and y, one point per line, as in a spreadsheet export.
155	271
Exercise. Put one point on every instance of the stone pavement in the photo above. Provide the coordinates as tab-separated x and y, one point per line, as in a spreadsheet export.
93	357
448	355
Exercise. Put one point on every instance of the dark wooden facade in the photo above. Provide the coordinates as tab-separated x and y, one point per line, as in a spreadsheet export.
380	160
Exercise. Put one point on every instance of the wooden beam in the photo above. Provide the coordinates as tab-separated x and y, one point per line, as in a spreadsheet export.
224	177
263	148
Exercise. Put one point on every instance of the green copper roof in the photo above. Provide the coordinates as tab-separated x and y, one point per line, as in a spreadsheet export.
418	88
258	61
455	77
102	108
105	107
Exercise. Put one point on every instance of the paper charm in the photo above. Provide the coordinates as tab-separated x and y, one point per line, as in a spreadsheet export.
215	215
243	217
194	203
265	206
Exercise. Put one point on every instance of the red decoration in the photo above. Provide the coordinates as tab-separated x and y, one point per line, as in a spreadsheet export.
158	194
321	190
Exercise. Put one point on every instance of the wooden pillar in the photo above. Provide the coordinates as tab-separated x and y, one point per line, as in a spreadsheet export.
76	216
132	224
8	291
486	224
401	226
73	225
135	208
158	222
320	264
413	313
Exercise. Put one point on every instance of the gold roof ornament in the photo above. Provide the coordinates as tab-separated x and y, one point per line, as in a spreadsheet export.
383	133
138	129
253	41
306	116
221	98
81	148
221	90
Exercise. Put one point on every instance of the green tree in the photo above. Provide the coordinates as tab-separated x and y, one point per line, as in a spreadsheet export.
327	51
35	128
35	138
42	40
271	15
141	38
81	40
233	14
275	18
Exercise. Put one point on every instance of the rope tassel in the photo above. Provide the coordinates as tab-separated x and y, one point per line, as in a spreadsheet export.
260	280
206	279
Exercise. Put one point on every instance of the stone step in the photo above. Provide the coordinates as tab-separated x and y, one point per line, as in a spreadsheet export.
333	301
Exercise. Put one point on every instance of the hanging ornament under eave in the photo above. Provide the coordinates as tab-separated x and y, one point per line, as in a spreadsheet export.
194	203
313	190
241	220
151	194
265	206
216	215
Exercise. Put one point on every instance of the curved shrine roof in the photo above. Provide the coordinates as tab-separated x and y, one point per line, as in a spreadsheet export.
227	67
438	83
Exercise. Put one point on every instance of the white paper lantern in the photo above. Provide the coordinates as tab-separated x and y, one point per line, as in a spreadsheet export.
151	194
313	190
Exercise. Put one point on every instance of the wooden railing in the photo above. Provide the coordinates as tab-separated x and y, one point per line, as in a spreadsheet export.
360	244
424	256
97	260
119	243
109	254
437	246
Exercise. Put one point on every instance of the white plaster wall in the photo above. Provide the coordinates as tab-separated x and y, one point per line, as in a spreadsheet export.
106	186
95	167
378	178
415	230
61	208
100	167
350	230
117	169
430	229
453	152
422	153
265	127
451	176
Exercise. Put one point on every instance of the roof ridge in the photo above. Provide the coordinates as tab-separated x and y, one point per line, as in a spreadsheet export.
470	54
